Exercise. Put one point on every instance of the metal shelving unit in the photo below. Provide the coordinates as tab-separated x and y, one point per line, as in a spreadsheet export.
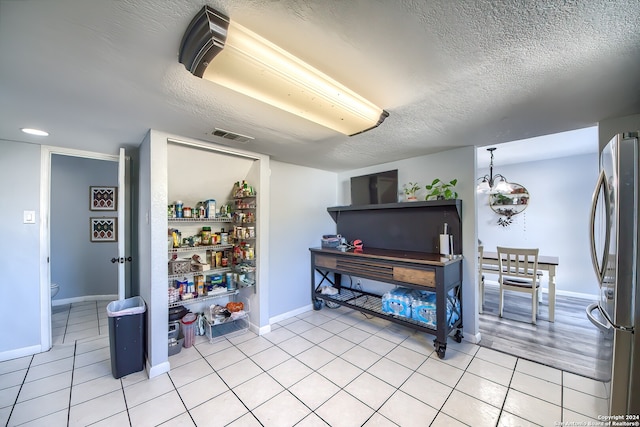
218	220
184	249
204	298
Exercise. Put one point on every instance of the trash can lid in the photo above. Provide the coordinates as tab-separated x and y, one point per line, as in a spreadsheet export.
189	318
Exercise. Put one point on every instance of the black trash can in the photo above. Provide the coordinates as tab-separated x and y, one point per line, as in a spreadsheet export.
126	335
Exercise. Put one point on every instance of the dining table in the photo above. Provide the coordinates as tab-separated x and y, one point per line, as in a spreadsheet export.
546	263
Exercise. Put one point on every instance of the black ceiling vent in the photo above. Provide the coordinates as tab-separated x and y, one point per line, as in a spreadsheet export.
232	136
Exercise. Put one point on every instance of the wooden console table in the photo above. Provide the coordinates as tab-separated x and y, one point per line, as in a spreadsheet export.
418	270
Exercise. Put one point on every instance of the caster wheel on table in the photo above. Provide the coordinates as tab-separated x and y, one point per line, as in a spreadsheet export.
440	349
317	305
458	336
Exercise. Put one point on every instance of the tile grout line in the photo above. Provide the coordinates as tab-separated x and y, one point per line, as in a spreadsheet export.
332	335
508	389
464	371
179	396
15	402
375	411
313	411
562	396
73	370
312	370
225	383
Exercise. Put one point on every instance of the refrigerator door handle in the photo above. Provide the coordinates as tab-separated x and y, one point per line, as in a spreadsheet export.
598	324
600	186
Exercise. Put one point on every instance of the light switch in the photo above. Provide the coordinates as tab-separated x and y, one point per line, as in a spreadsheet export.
29	217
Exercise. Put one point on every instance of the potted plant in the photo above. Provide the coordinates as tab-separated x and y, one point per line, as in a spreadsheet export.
440	190
410	190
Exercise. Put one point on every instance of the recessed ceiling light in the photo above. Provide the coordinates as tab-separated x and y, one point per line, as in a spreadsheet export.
36	132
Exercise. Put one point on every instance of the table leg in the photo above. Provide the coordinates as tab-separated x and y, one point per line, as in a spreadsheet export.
552	293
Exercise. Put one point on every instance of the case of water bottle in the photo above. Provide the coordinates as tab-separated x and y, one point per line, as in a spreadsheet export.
397	302
423	307
419	305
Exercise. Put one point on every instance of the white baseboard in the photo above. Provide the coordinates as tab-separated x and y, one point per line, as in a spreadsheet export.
494	284
159	369
469	337
21	352
263	330
57	302
575	294
289	314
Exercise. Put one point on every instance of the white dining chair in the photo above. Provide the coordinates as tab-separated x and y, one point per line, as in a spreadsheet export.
518	271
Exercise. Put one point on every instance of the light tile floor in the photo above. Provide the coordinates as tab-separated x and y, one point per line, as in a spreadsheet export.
329	367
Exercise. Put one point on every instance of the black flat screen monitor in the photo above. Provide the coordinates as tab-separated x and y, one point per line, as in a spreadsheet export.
375	188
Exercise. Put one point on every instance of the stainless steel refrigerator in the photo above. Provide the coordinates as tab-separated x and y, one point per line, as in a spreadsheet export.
615	247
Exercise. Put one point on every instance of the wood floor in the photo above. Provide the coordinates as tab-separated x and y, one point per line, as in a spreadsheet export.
571	343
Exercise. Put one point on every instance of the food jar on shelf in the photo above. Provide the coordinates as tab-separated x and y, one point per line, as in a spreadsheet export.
210	205
206	235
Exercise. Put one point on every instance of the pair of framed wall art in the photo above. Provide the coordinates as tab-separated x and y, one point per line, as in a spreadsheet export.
103	229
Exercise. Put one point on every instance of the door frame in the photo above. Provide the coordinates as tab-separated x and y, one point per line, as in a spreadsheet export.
46	153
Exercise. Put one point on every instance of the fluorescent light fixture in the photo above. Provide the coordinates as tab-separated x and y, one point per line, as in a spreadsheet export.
217	49
36	132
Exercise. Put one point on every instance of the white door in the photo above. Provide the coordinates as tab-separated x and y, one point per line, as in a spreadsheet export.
122	193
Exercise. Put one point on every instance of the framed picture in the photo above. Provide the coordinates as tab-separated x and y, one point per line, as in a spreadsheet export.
104	229
103	198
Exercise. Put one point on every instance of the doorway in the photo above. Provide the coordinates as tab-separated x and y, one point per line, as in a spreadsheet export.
79	265
559	172
72	257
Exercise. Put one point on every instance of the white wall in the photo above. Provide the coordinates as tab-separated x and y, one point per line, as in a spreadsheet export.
448	165
152	249
20	251
299	200
556	220
610	127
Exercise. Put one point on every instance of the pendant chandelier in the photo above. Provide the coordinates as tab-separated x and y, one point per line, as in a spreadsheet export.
492	184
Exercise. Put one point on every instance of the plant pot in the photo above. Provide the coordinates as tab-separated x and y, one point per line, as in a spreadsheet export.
411	198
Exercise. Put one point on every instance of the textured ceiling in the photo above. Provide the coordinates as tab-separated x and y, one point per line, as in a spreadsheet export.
98	74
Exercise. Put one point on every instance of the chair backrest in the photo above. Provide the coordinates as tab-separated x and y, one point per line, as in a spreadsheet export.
518	262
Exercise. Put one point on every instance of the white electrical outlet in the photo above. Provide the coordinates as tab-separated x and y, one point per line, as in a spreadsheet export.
29	217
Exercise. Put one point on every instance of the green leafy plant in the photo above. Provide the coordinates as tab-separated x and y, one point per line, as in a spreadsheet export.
410	189
507	220
439	189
